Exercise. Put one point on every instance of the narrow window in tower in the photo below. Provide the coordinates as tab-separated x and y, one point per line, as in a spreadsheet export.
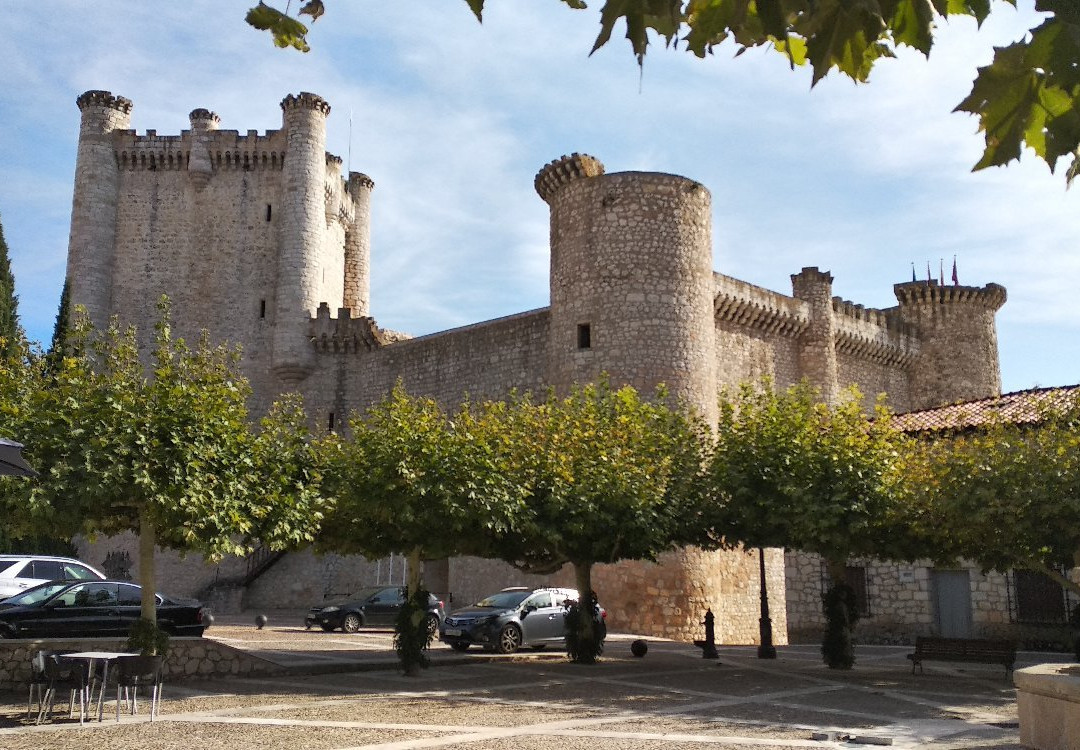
331	423
262	308
269	211
584	336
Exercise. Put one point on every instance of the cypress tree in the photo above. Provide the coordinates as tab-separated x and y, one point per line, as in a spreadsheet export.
61	328
10	331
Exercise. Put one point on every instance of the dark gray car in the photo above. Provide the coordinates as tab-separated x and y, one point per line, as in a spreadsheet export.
512	618
376	605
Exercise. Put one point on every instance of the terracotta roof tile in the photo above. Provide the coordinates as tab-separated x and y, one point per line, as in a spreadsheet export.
1019	407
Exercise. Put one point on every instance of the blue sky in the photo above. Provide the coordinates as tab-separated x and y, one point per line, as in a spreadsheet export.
452	119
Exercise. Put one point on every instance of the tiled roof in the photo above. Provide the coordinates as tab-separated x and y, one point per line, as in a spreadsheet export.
1019	407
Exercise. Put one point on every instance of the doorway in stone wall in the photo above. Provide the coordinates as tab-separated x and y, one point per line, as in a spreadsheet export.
952	602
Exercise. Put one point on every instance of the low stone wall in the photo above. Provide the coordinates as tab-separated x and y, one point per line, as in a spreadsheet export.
1048	699
188	658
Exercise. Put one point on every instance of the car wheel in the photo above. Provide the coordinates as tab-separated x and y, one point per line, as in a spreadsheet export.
432	625
327	627
459	646
509	639
351	623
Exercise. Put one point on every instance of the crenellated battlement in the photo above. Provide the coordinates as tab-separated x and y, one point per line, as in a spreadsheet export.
869	333
346	334
306	100
550	179
991	296
106	99
225	149
758	308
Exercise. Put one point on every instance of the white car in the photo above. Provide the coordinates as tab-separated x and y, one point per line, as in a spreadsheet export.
19	572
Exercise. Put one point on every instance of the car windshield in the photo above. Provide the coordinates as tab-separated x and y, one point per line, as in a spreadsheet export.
504	599
36	594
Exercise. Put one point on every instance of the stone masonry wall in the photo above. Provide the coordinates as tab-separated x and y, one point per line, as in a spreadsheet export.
188	658
902	604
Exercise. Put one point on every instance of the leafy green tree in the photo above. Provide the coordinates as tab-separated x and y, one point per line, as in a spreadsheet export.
607	476
409	477
1007	495
165	450
1029	95
11	334
790	471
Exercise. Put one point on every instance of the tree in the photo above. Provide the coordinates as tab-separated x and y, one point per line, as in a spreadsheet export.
607	476
412	478
61	328
1008	495
1029	95
11	334
167	453
790	471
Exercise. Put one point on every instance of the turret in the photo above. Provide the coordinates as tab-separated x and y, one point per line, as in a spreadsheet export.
200	165
631	280
92	242
302	228
358	246
955	327
817	351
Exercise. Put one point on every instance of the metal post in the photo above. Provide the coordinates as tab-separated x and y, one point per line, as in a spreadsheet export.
708	649
766	650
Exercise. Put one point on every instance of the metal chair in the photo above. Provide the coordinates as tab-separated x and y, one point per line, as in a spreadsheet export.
38	681
64	675
133	672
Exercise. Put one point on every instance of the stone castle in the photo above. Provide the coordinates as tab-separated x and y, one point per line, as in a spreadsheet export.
262	241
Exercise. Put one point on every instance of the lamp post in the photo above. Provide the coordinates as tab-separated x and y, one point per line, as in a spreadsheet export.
766	650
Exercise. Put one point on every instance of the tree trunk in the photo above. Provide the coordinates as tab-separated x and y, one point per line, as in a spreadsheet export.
416	571
583	580
147	540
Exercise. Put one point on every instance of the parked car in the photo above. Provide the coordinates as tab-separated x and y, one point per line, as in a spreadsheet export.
376	605
21	572
85	609
513	618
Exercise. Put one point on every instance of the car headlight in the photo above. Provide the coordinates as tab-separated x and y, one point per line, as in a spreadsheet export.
325	610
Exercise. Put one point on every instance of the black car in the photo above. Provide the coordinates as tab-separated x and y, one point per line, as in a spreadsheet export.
85	609
513	618
377	605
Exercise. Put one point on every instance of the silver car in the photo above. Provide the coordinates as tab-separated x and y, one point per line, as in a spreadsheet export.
21	572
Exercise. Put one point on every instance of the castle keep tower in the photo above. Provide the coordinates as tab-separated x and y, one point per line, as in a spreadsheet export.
92	239
958	355
631	280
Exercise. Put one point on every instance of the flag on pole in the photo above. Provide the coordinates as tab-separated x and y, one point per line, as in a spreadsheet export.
955	279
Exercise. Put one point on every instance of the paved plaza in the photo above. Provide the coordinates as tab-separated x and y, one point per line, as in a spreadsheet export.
343	692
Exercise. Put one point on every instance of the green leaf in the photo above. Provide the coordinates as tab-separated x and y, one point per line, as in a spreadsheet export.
477	7
287	31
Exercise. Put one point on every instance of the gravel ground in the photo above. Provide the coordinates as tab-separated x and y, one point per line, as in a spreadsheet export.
670	700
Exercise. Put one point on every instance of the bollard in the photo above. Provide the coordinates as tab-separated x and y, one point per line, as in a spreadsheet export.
708	648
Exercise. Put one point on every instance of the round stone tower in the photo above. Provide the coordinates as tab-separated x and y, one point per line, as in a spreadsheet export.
302	228
631	280
358	246
632	296
958	354
91	244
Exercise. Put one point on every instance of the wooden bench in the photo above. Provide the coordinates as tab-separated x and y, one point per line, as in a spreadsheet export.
963	649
